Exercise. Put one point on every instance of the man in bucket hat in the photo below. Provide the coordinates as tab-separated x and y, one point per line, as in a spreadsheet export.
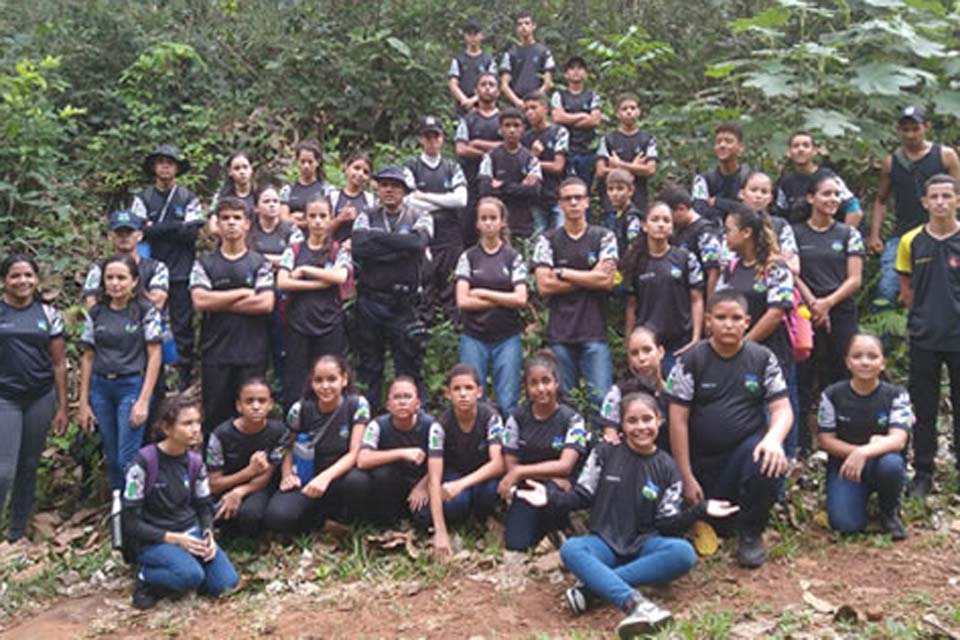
172	217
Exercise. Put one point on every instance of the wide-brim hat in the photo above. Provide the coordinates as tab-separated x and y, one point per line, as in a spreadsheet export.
166	151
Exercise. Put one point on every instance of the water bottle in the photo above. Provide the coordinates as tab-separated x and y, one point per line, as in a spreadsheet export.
116	528
303	452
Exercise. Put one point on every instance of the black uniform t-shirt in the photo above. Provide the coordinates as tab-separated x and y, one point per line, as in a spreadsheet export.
581	140
823	257
702	237
229	449
727	397
579	316
445	177
362	202
526	66
467	70
476	126
462	451
499	271
314	313
26	370
174	218
627	147
228	338
296	195
791	199
305	417
511	169
907	180
533	440
662	291
119	337
772	289
854	418
381	435
555	140
934	269
723	187
276	241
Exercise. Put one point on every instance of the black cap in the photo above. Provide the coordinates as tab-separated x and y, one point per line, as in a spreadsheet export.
431	123
915	112
472	24
124	220
166	151
576	61
392	174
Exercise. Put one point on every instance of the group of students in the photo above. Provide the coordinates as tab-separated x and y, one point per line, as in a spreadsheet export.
697	433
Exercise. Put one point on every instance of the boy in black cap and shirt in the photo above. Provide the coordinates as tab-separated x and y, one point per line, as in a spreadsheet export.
716	191
389	249
904	172
512	173
466	67
579	111
549	143
527	66
441	190
172	217
478	133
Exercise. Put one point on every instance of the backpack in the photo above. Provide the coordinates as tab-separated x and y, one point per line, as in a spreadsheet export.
799	328
151	459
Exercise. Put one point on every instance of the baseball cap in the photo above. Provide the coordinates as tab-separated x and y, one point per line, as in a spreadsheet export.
124	220
431	123
913	112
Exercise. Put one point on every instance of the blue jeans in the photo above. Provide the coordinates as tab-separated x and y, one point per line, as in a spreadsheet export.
546	218
111	400
478	500
506	357
612	577
889	284
590	361
847	500
171	567
525	525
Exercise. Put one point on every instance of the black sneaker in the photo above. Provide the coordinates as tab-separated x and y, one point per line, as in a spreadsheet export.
920	486
893	525
750	551
143	596
643	617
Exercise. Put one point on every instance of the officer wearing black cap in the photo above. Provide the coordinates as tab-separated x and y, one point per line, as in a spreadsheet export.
389	250
440	189
172	217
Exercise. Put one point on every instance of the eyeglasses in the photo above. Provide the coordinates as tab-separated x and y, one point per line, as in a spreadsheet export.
574	198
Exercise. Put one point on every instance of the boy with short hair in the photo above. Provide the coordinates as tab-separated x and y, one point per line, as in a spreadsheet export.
791	192
903	174
527	66
549	143
466	67
512	173
716	191
928	261
630	148
624	219
694	233
721	391
478	132
579	111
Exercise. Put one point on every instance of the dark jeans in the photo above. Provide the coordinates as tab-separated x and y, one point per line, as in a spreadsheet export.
925	368
219	386
302	352
381	324
847	500
392	484
478	501
347	500
248	520
22	438
736	477
180	306
526	525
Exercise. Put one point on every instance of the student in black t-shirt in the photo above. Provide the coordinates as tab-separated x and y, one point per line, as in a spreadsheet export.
527	66
715	191
121	361
579	111
466	67
623	218
629	148
634	491
233	287
465	459
33	385
512	173
831	266
575	267
643	373
311	272
791	192
491	289
310	182
439	187
168	512
353	198
239	184
864	425
478	133
721	393
393	451
542	440
664	286
549	143
757	193
693	232
172	217
928	260
242	456
319	478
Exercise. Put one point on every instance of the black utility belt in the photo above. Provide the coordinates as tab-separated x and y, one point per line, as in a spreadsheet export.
117	376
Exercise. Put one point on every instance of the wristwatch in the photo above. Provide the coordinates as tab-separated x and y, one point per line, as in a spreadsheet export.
559	273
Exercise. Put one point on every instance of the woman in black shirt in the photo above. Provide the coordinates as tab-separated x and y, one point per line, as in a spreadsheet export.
310	183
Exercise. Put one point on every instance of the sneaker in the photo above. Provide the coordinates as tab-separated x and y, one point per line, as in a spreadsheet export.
143	596
920	486
576	598
705	539
643	617
750	551
893	525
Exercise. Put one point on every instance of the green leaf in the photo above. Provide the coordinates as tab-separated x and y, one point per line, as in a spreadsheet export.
832	124
399	46
884	4
933	6
720	70
947	102
887	79
772	84
772	17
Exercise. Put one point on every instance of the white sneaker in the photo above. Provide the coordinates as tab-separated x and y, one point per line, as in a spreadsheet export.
644	617
576	599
